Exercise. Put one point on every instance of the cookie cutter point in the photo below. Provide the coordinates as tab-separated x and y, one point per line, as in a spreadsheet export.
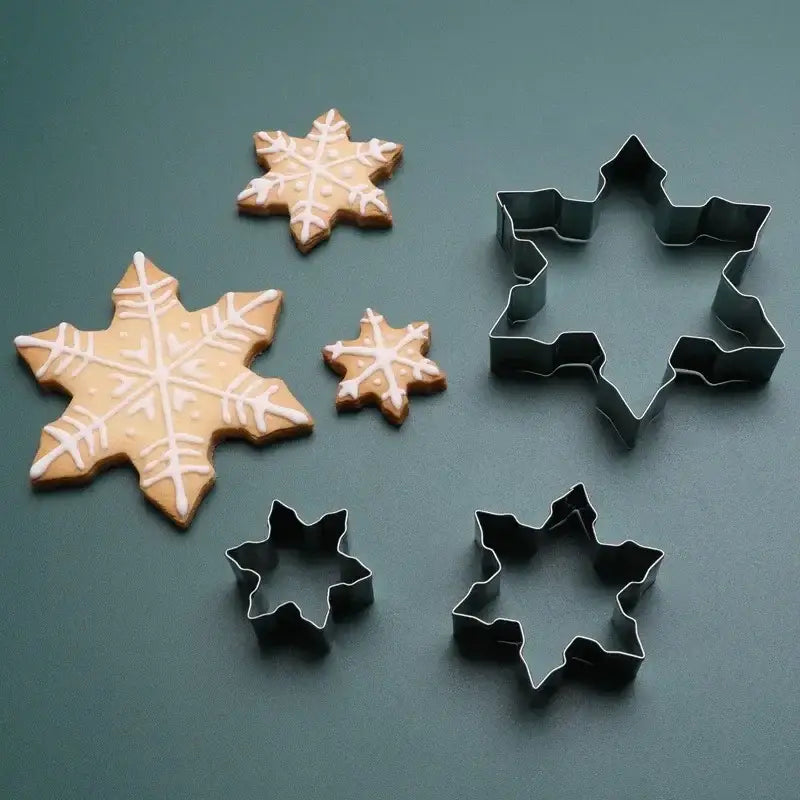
251	560
629	563
521	213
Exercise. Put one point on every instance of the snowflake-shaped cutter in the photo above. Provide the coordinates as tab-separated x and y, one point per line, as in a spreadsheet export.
383	366
628	563
521	213
251	561
159	388
320	179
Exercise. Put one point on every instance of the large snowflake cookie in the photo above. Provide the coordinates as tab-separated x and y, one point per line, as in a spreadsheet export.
321	179
159	388
383	365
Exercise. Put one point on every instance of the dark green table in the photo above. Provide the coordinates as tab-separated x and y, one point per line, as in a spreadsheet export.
128	670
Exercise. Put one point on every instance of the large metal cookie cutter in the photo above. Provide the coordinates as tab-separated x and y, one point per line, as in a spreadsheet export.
521	213
250	561
628	563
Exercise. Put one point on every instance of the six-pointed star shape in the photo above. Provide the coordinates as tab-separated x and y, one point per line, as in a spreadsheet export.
524	212
383	365
160	387
250	561
321	179
628	563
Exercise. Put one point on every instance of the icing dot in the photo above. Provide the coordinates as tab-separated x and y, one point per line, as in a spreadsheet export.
293	167
92	390
347	172
410	351
376	381
403	371
332	152
308	149
195	415
220	363
185	326
123	334
326	190
360	362
130	433
367	340
390	145
299	186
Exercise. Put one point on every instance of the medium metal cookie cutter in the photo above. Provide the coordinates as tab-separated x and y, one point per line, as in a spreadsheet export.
629	563
521	213
250	561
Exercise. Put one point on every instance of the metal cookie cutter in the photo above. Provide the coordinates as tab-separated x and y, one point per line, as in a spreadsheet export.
629	563
524	212
250	561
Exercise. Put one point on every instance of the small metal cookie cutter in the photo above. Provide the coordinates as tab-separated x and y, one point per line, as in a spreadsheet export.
521	213
250	561
628	563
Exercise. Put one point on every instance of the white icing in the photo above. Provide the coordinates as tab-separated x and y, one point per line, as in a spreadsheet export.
180	397
192	368
151	374
365	196
92	433
175	346
384	358
299	159
259	405
221	334
142	354
146	405
260	188
63	354
70	352
93	390
125	383
147	305
123	334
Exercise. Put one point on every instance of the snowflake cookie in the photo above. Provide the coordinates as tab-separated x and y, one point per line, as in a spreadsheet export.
383	365
321	179
159	388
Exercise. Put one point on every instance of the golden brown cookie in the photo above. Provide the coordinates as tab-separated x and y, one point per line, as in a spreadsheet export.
159	388
383	366
321	179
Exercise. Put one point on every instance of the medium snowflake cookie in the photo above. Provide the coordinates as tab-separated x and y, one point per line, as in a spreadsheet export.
383	365
159	388
321	179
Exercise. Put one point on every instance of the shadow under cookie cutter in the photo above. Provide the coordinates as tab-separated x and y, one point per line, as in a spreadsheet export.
525	212
251	560
628	562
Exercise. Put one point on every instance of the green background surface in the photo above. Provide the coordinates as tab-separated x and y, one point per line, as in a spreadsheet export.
128	669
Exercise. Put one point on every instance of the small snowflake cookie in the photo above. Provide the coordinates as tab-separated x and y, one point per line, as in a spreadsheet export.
383	366
321	179
159	388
